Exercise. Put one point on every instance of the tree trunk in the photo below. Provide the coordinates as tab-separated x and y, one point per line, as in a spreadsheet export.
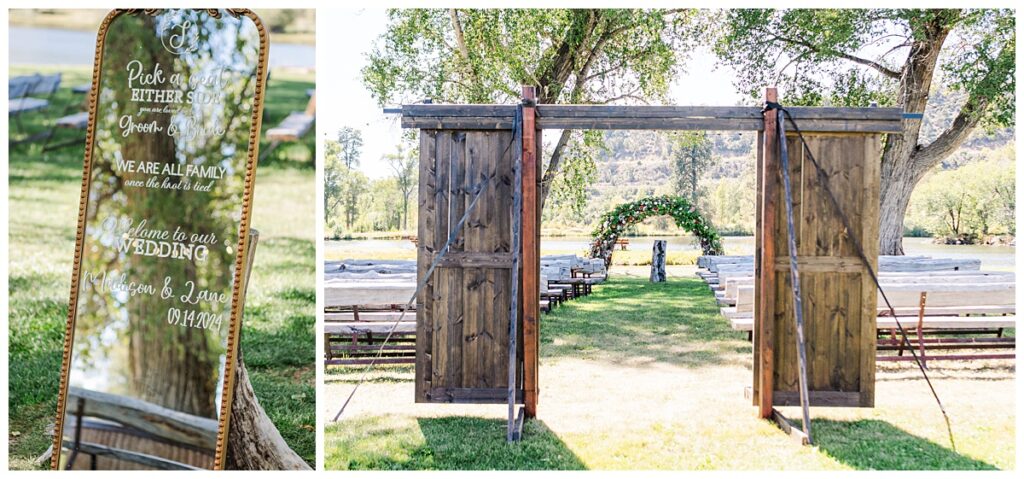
903	164
254	444
896	189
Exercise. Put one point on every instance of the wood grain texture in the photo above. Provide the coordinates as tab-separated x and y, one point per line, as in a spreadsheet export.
531	253
839	298
462	313
643	117
765	284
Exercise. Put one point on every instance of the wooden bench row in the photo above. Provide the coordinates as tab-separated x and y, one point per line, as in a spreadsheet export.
365	299
933	298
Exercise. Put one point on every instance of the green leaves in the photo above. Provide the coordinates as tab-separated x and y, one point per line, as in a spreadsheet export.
483	56
967	203
569	190
853	57
686	216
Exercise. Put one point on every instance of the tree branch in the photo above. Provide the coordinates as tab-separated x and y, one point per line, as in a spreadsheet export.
846	56
553	166
460	39
953	136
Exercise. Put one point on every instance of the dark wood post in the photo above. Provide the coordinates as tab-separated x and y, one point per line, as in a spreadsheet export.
531	252
765	307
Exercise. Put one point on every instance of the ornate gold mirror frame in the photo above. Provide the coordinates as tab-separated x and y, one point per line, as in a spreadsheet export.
175	46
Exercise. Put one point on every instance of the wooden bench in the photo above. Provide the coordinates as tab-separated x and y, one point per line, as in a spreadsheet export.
295	126
927	311
727	295
365	299
27	94
622	243
119	432
363	342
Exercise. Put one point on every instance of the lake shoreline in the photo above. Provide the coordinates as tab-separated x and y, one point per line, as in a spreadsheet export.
996	258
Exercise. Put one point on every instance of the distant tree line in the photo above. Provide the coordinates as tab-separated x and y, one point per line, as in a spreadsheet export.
354	203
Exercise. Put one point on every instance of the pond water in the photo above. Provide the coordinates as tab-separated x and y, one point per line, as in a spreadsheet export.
55	46
992	257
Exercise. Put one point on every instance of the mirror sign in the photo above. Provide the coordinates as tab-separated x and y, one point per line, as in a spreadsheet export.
153	322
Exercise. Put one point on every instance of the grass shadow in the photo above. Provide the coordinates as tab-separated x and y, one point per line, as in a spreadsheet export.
443	443
871	444
472	443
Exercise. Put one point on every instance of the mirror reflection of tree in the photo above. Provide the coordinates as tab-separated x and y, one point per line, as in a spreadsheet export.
129	339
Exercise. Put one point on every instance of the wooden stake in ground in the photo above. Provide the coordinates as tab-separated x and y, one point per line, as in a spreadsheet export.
658	262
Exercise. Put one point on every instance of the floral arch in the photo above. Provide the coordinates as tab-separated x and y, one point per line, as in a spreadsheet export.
686	216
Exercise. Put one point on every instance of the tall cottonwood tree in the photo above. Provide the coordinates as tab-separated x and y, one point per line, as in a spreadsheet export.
892	57
343	183
404	162
571	55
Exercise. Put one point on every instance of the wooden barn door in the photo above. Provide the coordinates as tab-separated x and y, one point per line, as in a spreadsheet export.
462	317
839	297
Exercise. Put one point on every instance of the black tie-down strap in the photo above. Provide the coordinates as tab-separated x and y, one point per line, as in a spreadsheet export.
783	115
794	274
514	433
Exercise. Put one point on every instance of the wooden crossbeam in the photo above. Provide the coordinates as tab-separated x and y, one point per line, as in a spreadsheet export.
644	117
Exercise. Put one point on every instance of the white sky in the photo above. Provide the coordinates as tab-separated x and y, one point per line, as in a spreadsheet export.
345	37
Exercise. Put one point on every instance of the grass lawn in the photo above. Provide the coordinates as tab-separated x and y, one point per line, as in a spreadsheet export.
645	376
279	323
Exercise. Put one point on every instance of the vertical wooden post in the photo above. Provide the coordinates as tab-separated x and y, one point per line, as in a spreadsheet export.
531	252
765	307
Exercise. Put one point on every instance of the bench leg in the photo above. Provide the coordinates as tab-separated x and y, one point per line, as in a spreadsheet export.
920	329
270	149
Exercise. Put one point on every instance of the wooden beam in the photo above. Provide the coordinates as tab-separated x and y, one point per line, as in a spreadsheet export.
818	398
133	457
766	286
795	433
153	419
472	395
642	117
531	252
755	395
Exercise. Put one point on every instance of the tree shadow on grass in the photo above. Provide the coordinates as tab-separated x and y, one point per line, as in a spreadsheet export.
444	443
633	320
473	443
870	444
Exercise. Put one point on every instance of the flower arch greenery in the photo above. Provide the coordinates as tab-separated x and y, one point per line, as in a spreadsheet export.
686	216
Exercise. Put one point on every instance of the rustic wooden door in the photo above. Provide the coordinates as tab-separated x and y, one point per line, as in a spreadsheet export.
462	317
839	297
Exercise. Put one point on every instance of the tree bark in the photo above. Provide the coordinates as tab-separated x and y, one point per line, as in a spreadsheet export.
254	443
900	171
905	161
